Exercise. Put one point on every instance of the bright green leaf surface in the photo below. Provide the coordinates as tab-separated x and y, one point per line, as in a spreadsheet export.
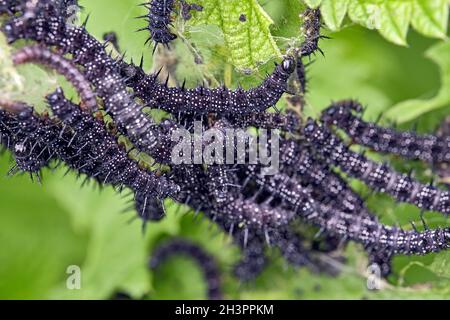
249	42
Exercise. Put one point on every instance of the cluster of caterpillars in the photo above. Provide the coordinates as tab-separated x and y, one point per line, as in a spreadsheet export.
256	209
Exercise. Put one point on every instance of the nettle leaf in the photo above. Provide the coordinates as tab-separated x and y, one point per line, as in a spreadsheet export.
391	18
246	30
411	109
333	12
431	17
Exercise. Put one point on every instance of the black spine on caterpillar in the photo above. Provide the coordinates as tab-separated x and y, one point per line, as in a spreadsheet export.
42	55
149	208
100	156
99	68
428	148
205	261
159	19
111	37
203	100
378	176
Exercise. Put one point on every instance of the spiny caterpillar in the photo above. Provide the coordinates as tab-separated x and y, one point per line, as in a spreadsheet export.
255	209
381	177
159	19
202	100
428	148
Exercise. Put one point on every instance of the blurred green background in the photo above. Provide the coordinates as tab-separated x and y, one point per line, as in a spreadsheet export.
46	228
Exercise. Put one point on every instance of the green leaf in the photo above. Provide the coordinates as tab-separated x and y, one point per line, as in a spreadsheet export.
441	265
313	3
248	40
365	13
333	12
394	21
430	17
391	18
411	109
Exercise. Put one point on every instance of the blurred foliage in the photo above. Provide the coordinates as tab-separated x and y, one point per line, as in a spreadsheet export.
46	228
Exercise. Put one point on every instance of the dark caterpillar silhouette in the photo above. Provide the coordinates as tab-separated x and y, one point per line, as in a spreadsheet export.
205	261
186	9
99	156
378	176
429	148
41	55
202	100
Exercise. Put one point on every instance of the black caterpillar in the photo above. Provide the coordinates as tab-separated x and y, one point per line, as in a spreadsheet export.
428	148
205	261
378	176
256	210
202	100
159	20
99	155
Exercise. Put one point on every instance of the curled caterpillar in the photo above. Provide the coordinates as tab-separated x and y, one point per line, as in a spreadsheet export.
202	100
378	176
205	261
39	54
409	145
